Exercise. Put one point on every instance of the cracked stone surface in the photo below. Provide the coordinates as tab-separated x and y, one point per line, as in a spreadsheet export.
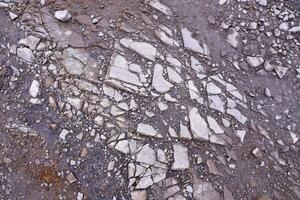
149	100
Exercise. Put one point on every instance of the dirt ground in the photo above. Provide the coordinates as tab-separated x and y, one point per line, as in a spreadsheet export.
169	99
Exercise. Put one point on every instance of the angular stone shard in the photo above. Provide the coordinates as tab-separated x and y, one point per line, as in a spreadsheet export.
159	83
205	191
181	159
165	39
148	130
233	37
62	15
34	90
191	43
198	125
146	50
25	54
31	42
156	4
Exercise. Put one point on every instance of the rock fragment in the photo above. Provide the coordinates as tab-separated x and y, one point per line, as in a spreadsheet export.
159	83
62	15
233	37
35	89
198	125
181	159
25	54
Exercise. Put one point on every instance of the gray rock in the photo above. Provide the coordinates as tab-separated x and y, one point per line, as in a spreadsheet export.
25	54
181	159
159	83
62	15
205	191
191	43
233	37
159	6
147	130
144	49
34	90
198	125
255	61
31	42
262	2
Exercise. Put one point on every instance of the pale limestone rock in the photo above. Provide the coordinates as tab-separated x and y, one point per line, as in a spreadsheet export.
30	41
25	54
159	83
198	125
181	159
146	50
62	15
35	89
148	130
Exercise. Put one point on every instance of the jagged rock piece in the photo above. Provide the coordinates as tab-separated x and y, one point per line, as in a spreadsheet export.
25	54
215	102
159	6
213	124
233	37
146	50
191	43
205	191
62	15
165	39
30	41
198	125
181	159
147	130
159	83
35	89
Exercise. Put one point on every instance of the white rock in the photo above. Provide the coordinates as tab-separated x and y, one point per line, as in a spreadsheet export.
262	2
198	125
255	61
25	54
99	120
31	42
144	49
181	158
146	155
77	103
63	134
191	43
159	83
295	29
213	124
12	16
35	89
233	37
147	130
165	39
159	6
62	15
222	2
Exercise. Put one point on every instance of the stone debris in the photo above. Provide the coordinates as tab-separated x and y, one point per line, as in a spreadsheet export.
146	50
199	127
255	61
205	190
191	43
233	37
159	6
181	159
147	130
159	83
139	104
62	15
35	89
25	54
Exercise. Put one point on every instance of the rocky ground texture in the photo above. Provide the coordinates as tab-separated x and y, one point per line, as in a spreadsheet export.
150	100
